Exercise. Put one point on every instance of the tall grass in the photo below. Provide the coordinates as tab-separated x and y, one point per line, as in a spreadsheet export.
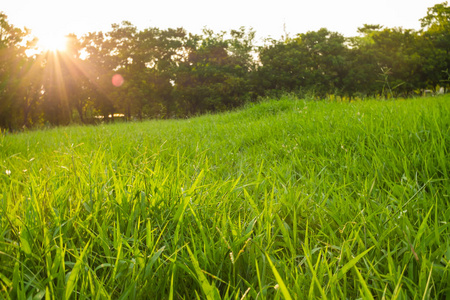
285	199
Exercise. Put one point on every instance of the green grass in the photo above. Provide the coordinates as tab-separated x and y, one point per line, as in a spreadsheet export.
284	199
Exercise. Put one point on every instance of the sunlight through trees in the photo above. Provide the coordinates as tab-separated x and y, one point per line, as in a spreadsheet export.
169	73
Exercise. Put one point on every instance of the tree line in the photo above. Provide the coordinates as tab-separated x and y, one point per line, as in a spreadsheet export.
170	73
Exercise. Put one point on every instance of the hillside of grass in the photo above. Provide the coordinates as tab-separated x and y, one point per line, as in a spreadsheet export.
287	199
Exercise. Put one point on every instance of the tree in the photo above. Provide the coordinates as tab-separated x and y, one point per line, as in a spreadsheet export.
13	66
154	66
312	62
98	68
282	68
214	74
435	47
65	83
326	55
31	91
393	58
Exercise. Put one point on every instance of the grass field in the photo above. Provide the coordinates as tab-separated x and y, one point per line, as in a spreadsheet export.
287	199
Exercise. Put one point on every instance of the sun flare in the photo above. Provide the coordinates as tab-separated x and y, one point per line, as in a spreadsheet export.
52	43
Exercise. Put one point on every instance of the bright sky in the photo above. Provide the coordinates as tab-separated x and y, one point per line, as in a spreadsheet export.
52	19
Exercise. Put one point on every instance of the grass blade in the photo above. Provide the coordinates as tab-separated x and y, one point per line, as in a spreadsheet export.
71	282
280	281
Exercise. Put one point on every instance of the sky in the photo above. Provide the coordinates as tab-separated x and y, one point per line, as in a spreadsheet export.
53	19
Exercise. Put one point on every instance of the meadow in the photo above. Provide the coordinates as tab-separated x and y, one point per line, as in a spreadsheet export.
284	199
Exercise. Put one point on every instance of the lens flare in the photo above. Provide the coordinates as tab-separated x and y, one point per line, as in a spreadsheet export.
117	80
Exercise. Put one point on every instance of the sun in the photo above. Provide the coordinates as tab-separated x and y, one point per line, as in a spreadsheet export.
53	43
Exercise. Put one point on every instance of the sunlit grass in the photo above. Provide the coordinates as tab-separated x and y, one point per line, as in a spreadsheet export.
284	199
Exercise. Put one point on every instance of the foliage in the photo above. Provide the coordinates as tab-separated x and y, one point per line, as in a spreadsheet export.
214	75
17	75
170	73
315	60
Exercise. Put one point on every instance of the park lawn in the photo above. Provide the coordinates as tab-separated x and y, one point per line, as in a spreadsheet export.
284	199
